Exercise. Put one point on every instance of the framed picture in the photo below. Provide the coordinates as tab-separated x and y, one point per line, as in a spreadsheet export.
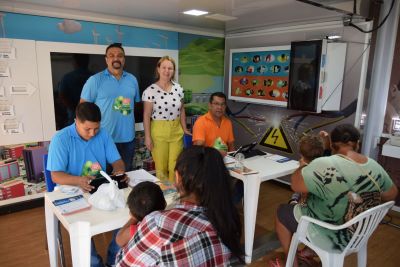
260	75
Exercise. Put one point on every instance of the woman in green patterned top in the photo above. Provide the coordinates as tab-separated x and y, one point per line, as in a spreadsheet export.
328	182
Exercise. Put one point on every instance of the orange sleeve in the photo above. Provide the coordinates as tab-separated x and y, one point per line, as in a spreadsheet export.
198	130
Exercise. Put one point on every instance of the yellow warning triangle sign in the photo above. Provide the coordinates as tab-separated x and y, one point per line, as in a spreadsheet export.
275	138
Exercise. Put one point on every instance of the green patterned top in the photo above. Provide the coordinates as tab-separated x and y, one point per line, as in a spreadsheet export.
328	180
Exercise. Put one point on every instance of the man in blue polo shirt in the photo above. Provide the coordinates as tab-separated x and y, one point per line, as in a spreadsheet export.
115	92
78	152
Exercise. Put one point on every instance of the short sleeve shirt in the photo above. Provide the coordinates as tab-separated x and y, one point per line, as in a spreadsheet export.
115	98
206	129
71	154
166	106
328	180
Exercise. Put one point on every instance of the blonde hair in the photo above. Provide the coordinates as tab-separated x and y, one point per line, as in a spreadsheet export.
161	60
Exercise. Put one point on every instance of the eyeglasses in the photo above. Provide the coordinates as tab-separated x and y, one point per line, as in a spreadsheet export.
219	104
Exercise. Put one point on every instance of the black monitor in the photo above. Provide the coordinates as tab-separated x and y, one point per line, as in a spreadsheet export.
305	58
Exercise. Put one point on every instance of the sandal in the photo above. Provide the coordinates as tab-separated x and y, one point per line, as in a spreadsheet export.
275	263
307	255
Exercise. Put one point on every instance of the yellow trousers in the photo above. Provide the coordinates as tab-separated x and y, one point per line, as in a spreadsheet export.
167	139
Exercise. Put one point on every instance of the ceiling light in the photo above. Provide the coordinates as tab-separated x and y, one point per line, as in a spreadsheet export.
195	12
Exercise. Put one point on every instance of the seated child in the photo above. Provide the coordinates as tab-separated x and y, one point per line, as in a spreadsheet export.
144	198
310	148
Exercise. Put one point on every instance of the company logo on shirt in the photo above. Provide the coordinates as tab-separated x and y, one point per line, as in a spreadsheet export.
91	168
122	105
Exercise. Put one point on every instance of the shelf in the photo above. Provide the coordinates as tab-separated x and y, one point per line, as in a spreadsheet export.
389	150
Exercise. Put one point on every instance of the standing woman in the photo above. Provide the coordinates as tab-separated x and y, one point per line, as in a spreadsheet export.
164	119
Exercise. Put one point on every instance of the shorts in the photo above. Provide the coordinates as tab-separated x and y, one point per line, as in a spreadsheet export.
286	217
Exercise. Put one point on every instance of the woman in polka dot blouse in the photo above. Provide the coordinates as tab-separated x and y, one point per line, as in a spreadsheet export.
164	119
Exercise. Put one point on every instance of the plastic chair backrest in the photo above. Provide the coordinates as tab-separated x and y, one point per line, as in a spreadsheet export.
366	221
47	175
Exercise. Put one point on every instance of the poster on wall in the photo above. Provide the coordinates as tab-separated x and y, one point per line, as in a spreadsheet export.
260	75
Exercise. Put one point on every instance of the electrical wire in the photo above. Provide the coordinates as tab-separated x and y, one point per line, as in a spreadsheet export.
351	24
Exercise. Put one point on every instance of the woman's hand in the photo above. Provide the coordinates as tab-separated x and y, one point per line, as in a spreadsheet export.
149	143
187	132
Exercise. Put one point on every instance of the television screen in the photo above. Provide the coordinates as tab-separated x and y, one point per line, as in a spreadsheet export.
304	68
71	70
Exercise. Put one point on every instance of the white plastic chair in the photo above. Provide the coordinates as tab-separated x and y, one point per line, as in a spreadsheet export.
367	221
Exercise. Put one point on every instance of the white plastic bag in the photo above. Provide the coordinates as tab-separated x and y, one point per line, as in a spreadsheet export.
108	197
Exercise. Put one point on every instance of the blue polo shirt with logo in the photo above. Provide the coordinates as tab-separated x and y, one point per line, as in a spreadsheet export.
115	99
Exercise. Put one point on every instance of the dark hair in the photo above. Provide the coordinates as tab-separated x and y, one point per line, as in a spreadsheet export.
88	111
161	60
217	94
311	147
118	45
345	133
204	174
145	198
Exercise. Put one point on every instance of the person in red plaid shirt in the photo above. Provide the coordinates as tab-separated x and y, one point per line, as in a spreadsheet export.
202	230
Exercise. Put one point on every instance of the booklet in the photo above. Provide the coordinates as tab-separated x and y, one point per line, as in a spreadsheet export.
71	205
244	171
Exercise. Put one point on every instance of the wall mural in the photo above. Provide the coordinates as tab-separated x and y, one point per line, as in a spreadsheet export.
201	70
20	26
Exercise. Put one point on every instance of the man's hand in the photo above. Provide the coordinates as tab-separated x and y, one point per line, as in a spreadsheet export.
84	183
325	139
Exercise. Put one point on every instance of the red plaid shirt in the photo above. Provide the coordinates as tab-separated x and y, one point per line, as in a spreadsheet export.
179	237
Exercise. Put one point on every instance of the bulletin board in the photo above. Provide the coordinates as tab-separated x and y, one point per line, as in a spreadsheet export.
260	75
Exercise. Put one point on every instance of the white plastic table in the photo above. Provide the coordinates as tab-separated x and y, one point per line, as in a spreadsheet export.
268	169
83	225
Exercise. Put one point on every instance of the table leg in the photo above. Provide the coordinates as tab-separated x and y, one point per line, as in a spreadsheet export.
251	191
51	232
80	235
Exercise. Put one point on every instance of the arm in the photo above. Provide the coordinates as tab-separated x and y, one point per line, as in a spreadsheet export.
118	167
82	100
183	119
231	146
64	178
148	108
389	194
124	235
297	181
199	143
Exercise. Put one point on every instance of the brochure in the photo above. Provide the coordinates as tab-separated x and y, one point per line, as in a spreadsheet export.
71	205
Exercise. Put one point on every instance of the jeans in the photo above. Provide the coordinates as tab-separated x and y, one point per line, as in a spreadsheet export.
127	151
113	248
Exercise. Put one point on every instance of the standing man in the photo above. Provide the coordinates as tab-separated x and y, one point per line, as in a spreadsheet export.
115	92
78	152
214	129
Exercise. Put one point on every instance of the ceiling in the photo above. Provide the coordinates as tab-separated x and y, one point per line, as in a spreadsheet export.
249	15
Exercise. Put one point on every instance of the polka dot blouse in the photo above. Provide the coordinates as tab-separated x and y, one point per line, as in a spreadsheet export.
166	106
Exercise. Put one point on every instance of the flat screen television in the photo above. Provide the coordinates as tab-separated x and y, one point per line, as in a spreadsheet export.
70	71
56	59
305	59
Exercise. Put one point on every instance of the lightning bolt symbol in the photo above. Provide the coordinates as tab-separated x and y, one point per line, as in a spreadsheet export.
275	136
